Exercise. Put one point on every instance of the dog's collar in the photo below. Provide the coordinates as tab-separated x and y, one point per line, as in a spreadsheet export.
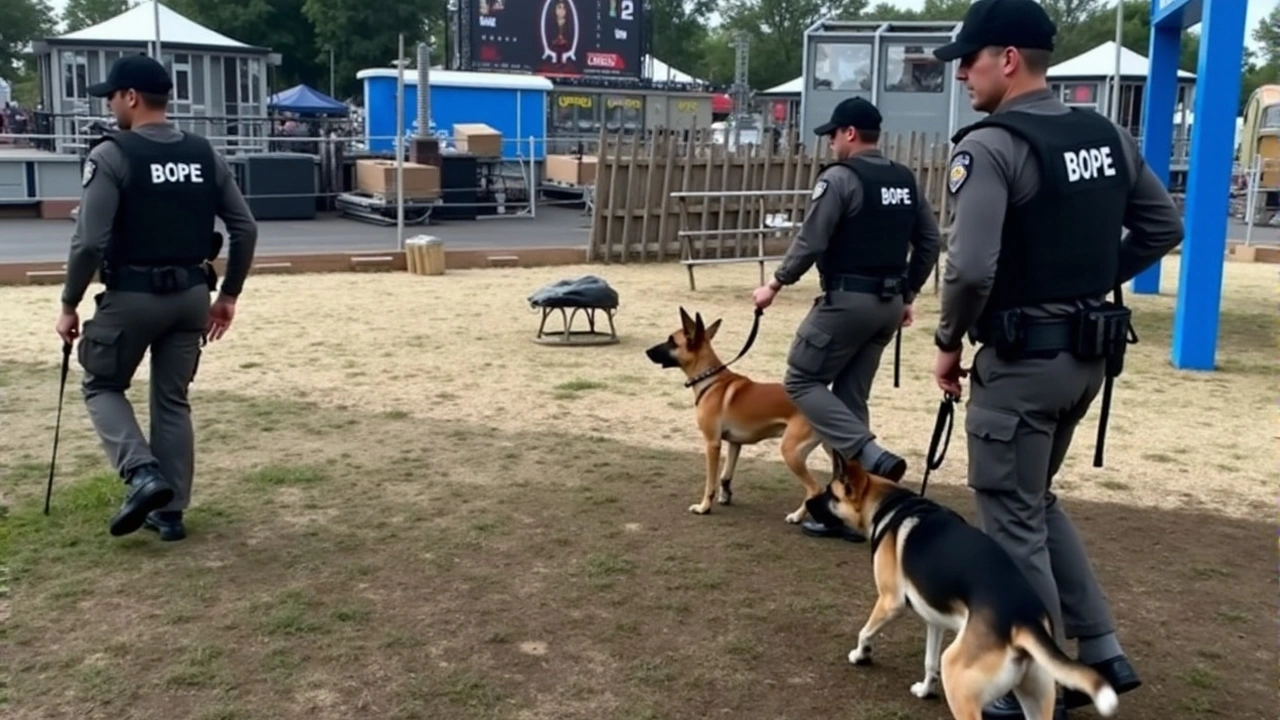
704	375
891	513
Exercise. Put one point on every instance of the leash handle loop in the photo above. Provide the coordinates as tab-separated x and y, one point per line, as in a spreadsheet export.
942	427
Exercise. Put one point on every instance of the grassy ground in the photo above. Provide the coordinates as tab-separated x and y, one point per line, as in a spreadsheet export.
479	527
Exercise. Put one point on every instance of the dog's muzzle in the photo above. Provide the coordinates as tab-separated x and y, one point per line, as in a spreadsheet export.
661	355
819	508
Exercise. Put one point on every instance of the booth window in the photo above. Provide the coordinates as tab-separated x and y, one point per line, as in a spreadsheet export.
841	66
623	112
574	113
913	69
1271	117
1080	95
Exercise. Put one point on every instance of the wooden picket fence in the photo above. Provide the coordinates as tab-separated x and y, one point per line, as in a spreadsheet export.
635	219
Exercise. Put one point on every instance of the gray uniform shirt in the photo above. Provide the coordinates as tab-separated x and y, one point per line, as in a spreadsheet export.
1002	171
101	197
842	197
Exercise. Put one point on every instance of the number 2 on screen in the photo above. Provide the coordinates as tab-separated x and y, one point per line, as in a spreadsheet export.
628	10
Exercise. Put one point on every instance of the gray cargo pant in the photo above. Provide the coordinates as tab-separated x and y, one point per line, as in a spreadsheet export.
1019	420
839	343
112	344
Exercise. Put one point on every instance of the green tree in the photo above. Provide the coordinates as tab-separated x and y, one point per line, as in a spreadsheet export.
1267	34
776	29
278	24
21	22
679	32
365	38
80	14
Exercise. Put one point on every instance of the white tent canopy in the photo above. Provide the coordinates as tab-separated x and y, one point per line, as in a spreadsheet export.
790	87
1100	62
138	24
662	72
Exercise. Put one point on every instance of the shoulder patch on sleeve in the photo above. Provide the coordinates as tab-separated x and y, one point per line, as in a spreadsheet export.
90	169
818	189
959	171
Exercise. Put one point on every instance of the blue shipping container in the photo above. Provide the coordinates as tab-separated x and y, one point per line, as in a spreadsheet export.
514	105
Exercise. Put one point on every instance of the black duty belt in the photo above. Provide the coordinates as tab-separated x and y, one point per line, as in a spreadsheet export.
1047	335
884	287
162	280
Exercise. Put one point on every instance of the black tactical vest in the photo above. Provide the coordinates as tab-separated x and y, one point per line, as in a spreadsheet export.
168	204
874	241
1063	244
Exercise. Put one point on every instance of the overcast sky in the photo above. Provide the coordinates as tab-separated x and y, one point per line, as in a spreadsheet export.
1257	10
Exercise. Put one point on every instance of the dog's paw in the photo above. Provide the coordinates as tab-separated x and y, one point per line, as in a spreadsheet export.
726	493
701	508
860	655
795	517
923	690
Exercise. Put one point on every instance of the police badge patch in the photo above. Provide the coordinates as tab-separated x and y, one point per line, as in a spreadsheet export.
959	171
90	167
818	189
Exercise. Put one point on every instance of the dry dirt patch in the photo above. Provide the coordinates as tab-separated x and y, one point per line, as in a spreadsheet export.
458	348
344	563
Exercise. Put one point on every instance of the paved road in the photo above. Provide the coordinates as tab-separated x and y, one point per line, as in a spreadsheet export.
554	226
47	240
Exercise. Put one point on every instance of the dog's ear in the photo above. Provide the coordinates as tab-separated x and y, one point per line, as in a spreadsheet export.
711	331
699	329
857	480
686	322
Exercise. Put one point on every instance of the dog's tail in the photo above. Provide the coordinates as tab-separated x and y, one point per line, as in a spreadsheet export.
1037	643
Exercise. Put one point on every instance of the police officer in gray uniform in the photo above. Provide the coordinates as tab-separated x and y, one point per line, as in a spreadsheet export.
865	213
1041	195
146	222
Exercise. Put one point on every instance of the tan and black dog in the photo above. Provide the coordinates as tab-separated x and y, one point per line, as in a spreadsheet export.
732	408
957	578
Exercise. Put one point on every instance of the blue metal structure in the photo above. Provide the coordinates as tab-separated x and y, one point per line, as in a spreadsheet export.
514	105
1222	22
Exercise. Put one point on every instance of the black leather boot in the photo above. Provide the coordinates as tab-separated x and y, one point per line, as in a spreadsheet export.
148	491
890	466
167	524
813	528
1007	708
1117	671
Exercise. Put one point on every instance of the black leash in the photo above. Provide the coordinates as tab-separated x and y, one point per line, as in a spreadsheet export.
1104	413
751	339
941	434
57	427
897	356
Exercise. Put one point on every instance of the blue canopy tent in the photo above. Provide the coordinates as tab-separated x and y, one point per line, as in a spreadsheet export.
304	100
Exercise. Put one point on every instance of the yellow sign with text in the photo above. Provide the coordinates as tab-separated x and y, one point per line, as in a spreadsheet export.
569	101
623	102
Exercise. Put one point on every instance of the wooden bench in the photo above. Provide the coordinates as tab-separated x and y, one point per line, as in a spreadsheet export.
772	227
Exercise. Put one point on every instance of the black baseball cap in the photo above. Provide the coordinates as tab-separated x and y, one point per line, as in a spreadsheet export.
1001	23
134	72
856	113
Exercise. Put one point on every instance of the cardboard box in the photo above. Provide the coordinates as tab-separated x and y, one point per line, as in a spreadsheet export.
378	177
478	139
571	169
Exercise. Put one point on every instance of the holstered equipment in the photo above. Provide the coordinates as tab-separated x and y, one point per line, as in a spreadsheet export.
211	273
1100	331
163	280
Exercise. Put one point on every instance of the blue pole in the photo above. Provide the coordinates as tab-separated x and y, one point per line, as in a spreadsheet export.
1195	320
1158	102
